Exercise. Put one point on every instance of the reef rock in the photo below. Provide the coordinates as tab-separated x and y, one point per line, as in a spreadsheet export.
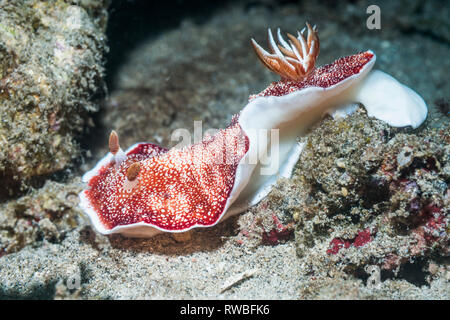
51	68
367	194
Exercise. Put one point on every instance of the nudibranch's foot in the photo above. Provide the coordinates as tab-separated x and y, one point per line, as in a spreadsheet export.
388	100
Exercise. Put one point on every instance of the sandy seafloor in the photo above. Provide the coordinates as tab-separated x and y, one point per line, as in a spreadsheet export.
200	66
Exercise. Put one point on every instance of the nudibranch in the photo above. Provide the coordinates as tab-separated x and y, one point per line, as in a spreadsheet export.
148	189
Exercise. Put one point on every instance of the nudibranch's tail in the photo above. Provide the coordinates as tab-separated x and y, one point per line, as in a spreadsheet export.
293	60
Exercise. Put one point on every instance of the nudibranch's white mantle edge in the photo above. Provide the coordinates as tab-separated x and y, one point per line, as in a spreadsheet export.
293	114
299	110
383	97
